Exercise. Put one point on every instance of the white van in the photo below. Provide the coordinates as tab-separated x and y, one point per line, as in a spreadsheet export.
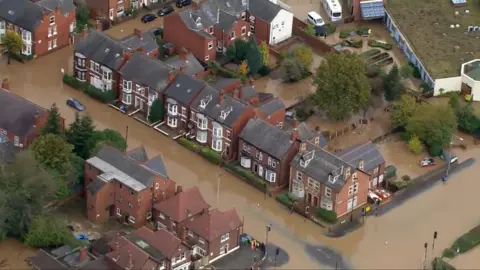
333	9
315	19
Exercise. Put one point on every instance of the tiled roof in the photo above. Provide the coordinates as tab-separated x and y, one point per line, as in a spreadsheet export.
146	70
214	224
97	264
192	65
182	205
263	9
42	260
269	139
162	240
65	6
367	152
102	49
17	114
147	42
139	154
184	88
128	250
271	106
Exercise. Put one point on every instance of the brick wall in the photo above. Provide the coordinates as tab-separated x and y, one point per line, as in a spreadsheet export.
312	41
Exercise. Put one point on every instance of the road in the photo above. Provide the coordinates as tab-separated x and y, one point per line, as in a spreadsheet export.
394	240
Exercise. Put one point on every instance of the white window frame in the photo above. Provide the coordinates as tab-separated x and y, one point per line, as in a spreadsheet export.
54	30
190	233
244	30
207	57
127	85
49	45
157	185
16	141
217	131
127	98
210	45
217	145
54	43
50	31
202	139
352	203
149	215
299	176
270	176
210	30
328	192
172	108
375	171
201	240
232	35
131	219
184	111
162	216
52	20
119	211
202	123
224	237
172	122
97	67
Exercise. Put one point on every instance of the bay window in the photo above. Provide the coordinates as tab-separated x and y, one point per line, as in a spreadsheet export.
172	109
202	122
201	136
270	176
217	145
217	130
127	99
171	122
127	86
246	162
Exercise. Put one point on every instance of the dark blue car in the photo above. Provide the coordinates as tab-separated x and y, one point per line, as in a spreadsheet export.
148	18
75	104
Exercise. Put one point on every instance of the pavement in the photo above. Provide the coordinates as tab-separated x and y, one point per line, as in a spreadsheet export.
243	258
327	256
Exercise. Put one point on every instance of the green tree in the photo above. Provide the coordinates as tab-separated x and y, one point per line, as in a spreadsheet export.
415	145
82	14
52	151
433	124
25	187
454	101
243	68
54	122
406	71
264	50
157	111
305	55
310	29
109	137
238	51
46	231
392	84
402	110
467	120
292	69
80	131
254	57
342	87
13	44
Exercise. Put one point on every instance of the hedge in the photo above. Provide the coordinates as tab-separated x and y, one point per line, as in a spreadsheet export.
467	241
390	171
224	72
102	96
285	199
378	44
439	264
345	33
369	53
327	215
211	155
247	176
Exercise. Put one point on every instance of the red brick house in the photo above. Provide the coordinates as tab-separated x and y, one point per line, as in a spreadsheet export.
214	234
212	26
267	150
324	180
20	120
47	26
125	186
173	213
114	9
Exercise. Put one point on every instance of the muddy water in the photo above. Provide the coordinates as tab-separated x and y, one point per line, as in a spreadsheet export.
13	254
405	228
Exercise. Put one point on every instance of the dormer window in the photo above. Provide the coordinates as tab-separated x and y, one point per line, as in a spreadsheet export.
347	173
317	141
203	104
361	164
223	115
303	147
303	163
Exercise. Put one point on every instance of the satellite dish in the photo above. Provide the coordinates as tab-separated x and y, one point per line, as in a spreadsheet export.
456	13
467	11
458	25
452	26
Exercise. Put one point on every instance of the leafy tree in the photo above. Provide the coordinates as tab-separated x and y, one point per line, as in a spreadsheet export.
342	87
305	55
415	145
25	187
433	124
406	71
467	120
238	51
107	136
402	110
392	84
243	68
52	151
77	165
80	131
310	29
265	53
254	57
157	111
46	231
454	101
292	69
54	122
82	14
13	44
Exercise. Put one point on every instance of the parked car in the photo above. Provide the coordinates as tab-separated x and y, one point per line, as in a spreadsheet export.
427	162
165	11
157	31
315	19
183	3
75	104
148	18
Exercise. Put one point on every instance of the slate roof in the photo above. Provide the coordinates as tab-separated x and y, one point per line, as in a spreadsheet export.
101	48
214	224
43	260
367	152
65	6
322	165
95	186
232	7
263	9
139	154
185	203
192	65
247	92
162	240
226	21
146	70
101	245
191	16
23	13
127	248
184	88
97	264
220	83
269	139
133	42
157	165
7	150
17	114
271	106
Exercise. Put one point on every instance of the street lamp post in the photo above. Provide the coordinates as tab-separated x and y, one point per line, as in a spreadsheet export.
425	258
268	228
450	153
435	234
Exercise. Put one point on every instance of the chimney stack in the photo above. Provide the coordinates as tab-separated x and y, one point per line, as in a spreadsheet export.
179	189
5	84
85	31
83	254
117	246
294	130
182	68
220	96
250	81
98	26
183	234
171	76
236	92
137	32
130	260
184	54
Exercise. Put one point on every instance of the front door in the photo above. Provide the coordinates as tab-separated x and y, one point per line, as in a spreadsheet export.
138	103
309	198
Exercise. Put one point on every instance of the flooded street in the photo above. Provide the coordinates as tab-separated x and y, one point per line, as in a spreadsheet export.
405	229
13	254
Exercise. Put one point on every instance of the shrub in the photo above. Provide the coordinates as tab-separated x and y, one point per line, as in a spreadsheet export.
285	199
264	71
248	177
45	231
344	33
380	44
189	145
467	241
406	178
395	186
102	96
390	171
439	264
363	31
355	42
326	215
224	72
415	145
448	253
370	53
310	29
435	150
416	72
211	155
330	28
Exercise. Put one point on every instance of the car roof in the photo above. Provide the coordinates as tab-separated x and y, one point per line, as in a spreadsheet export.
314	15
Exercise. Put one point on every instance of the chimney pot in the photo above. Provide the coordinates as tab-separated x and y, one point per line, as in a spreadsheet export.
220	96
5	84
184	54
182	68
171	76
83	254
236	93
130	260
85	31
98	25
179	189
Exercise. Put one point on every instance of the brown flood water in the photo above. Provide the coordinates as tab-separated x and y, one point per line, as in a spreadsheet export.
13	254
445	208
